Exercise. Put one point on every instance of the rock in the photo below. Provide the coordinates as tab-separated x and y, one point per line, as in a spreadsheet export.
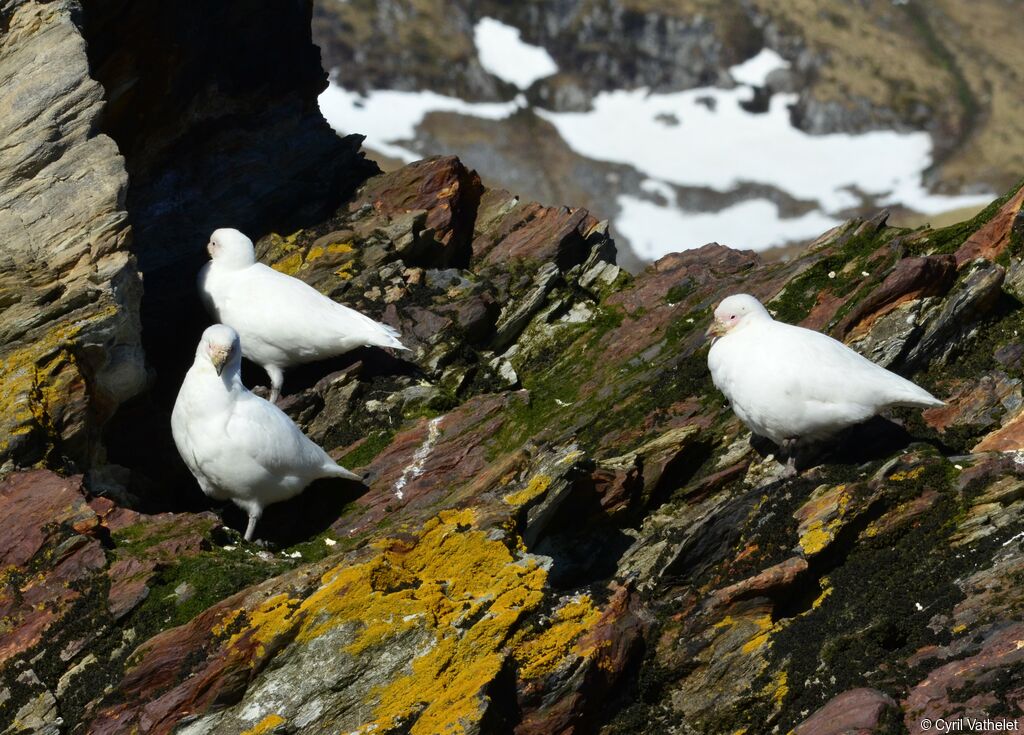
858	711
994	237
69	290
563	528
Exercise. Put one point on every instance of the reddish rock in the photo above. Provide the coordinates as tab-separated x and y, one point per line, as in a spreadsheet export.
910	278
823	310
442	187
993	237
772	579
39	507
40	543
854	712
947	691
615	640
536	233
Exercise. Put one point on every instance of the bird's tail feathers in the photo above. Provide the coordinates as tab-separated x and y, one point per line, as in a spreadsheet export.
929	402
333	469
915	396
388	336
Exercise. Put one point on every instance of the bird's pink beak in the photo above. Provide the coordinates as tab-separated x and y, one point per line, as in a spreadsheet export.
717	329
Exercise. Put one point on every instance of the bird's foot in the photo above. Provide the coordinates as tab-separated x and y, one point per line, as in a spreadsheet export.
789	470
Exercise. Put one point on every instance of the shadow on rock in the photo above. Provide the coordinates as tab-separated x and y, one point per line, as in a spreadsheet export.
299	519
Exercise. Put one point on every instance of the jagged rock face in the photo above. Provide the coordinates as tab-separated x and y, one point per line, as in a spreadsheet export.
565	529
218	125
69	291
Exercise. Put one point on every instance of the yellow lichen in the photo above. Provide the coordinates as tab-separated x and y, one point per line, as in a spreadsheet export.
534	489
908	475
815	539
265	725
466	590
220	628
826	590
820	531
540	655
345	271
319	251
40	378
289	264
764	627
778	688
267	622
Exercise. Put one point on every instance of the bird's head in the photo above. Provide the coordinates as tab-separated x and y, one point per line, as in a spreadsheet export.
736	312
221	348
229	248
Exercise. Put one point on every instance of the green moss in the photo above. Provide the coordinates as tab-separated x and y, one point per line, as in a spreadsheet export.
375	443
553	373
949	239
211	576
679	292
845	262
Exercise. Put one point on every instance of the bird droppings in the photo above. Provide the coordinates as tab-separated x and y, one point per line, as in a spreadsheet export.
419	457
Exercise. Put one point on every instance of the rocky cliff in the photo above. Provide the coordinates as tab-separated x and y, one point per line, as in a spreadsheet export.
564	528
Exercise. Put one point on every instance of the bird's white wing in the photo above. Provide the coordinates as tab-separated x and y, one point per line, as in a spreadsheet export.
297	318
816	367
273	441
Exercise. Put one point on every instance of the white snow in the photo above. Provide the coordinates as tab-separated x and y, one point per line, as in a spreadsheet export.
503	53
725	146
389	117
718	148
754	71
754	224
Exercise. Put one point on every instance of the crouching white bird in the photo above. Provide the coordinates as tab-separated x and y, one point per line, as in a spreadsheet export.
281	320
792	384
239	446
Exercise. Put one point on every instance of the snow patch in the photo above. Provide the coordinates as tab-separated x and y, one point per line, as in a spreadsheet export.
755	70
754	224
503	53
389	117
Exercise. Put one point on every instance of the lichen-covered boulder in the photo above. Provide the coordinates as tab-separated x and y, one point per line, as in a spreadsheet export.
69	291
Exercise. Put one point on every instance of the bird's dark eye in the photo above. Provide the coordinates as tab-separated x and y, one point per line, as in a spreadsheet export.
733	316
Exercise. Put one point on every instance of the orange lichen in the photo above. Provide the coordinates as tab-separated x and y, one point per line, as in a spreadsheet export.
908	475
534	489
265	725
540	655
465	589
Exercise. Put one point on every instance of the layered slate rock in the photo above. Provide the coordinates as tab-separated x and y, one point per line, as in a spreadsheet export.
69	291
564	528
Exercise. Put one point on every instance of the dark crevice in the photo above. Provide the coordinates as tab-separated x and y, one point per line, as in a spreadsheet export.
799	597
217	130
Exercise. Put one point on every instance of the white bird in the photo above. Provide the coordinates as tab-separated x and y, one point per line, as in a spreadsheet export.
792	384
239	446
281	320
